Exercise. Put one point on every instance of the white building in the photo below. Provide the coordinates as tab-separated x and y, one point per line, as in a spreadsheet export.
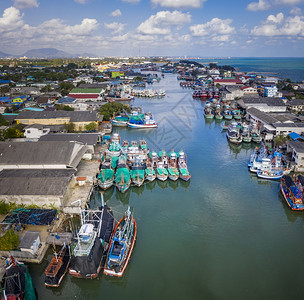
35	131
30	242
270	91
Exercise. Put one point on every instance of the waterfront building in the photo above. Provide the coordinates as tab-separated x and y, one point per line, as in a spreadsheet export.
264	104
297	153
87	94
79	118
50	187
296	104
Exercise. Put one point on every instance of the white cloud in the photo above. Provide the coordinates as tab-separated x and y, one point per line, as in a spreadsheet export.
131	1
116	13
261	5
275	19
215	26
25	3
161	22
115	27
220	38
10	20
267	4
278	26
179	3
296	11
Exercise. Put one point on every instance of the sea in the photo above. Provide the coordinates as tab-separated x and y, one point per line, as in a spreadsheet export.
292	68
222	235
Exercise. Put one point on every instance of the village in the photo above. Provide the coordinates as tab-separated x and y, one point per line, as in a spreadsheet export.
52	132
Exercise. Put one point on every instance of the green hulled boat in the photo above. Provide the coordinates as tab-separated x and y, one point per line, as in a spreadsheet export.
105	178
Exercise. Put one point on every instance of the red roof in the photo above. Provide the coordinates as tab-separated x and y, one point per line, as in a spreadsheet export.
84	96
236	81
245	87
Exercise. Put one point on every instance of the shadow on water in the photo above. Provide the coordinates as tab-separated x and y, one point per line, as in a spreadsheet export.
162	184
124	198
138	190
150	185
173	184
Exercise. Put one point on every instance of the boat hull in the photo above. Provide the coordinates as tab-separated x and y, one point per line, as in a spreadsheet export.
107	271
143	126
105	185
289	202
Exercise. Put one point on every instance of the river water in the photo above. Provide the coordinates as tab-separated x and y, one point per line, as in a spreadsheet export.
223	235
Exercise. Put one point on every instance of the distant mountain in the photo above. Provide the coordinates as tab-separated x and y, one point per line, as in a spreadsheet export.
3	55
47	53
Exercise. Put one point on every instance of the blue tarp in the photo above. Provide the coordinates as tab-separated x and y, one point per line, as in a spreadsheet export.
295	136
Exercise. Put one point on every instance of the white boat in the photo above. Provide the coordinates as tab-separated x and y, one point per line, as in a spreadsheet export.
142	121
233	133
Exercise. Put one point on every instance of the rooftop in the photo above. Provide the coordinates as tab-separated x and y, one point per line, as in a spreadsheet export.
41	153
44	182
85	138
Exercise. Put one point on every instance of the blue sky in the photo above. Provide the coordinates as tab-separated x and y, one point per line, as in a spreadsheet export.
205	28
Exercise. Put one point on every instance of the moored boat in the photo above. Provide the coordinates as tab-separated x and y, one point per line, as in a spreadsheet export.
172	166
142	121
182	166
91	244
58	267
17	282
119	121
233	133
122	244
292	192
122	175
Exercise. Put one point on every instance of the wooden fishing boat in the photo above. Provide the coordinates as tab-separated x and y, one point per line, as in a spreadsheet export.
292	192
137	172
17	282
172	167
58	267
121	246
182	166
122	175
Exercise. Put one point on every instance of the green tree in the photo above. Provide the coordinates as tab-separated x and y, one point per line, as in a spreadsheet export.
46	88
91	126
3	122
13	132
63	107
9	241
69	127
138	79
109	109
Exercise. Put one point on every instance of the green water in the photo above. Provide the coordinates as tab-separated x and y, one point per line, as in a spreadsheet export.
223	235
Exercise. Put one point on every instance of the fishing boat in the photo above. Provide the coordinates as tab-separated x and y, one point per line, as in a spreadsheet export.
182	166
172	166
233	133
150	173
208	111
274	169
161	171
105	178
114	146
246	137
58	267
119	121
122	244
154	159
137	172
17	282
227	115
122	175
236	114
143	146
292	192
91	244
142	121
255	134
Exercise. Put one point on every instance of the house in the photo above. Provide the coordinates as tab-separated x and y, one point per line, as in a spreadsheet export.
50	187
79	118
35	131
297	153
30	242
296	104
270	91
86	79
249	90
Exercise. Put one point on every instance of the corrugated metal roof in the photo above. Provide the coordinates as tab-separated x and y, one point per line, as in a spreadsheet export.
44	182
38	153
74	116
85	138
86	91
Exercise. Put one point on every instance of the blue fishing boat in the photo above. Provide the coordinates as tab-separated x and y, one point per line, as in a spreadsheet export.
142	121
122	244
292	192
